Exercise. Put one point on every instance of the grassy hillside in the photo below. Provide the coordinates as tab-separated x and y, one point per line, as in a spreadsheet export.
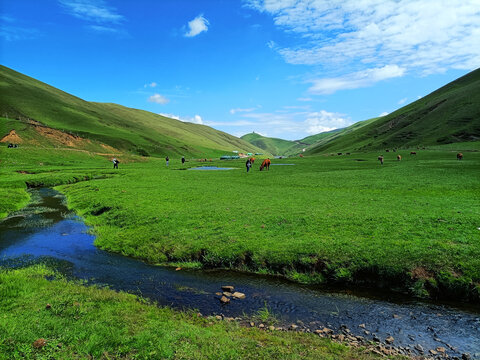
24	98
272	145
277	146
448	115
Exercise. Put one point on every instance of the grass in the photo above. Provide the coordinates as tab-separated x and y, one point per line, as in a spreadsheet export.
448	115
86	322
409	225
126	129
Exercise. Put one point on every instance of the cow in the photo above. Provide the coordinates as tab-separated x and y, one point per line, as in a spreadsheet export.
265	164
399	157
380	158
413	153
459	156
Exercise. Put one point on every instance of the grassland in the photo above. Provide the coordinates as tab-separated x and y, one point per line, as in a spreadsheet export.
410	225
136	131
85	322
448	115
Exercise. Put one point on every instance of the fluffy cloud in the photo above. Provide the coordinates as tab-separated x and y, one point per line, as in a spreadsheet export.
288	124
197	119
356	80
159	99
322	121
92	10
197	26
428	36
152	85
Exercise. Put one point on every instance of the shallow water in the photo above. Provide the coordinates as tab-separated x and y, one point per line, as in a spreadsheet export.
210	168
47	231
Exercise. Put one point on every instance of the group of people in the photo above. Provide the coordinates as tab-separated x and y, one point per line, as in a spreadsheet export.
167	159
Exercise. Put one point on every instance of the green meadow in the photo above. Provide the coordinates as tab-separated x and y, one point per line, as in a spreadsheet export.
410	225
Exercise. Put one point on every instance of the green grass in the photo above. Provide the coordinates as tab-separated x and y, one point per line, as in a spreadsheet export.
126	129
410	225
448	115
86	322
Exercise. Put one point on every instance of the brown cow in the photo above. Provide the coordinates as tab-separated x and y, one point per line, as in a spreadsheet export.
399	157
459	156
413	153
265	164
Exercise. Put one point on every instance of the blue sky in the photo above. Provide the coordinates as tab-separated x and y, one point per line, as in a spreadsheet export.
282	68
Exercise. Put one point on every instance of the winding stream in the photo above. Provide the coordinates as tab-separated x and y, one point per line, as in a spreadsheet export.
47	231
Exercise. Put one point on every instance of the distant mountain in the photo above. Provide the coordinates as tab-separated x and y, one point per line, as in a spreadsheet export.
37	107
271	145
447	115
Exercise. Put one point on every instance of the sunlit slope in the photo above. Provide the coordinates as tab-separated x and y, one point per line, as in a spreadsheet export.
123	128
448	115
277	146
274	146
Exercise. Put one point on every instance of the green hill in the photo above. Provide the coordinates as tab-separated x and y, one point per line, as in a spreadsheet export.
448	115
33	103
274	146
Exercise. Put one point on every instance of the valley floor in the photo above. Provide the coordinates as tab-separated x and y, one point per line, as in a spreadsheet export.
411	225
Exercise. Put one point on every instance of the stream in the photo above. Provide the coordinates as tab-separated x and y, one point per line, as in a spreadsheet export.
46	231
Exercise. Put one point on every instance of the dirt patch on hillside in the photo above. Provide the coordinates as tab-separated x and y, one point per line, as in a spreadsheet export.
109	148
61	137
12	137
421	273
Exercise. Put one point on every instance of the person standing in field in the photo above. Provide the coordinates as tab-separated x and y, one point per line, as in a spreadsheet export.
248	164
115	163
380	158
183	160
167	160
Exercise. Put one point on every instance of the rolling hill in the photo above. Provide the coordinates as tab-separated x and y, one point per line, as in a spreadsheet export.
448	115
278	146
36	110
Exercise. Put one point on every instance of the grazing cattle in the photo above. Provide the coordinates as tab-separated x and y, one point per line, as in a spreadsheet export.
265	164
380	158
387	150
301	155
459	156
413	153
399	157
339	153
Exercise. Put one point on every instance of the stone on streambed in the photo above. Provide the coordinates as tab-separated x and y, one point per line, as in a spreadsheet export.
238	295
389	340
228	288
224	300
227	294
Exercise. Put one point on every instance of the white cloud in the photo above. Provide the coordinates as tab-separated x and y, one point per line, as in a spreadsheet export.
427	36
197	26
322	121
356	80
402	101
197	119
288	124
159	99
152	85
92	10
239	110
304	99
